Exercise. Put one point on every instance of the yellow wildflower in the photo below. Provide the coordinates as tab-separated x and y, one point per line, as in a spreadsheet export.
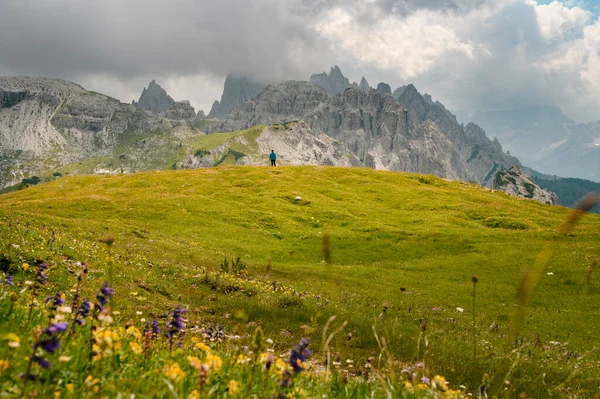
203	347
439	382
281	367
233	387
3	365
241	359
134	332
108	340
422	386
25	266
135	348
174	372
194	394
214	362
13	340
64	359
96	350
90	381
194	362
56	394
451	394
70	388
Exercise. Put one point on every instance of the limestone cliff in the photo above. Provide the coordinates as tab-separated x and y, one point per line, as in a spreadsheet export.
236	91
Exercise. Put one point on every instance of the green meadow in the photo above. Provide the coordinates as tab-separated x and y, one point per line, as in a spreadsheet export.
391	254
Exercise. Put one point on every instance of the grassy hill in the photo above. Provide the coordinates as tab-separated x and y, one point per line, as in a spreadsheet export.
391	253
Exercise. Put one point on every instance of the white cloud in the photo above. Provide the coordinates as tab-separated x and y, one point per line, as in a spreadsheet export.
409	45
559	22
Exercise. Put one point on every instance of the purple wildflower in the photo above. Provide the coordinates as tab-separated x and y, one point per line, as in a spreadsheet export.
106	292
83	311
425	380
50	345
152	328
41	361
56	328
177	323
40	277
9	280
213	333
55	301
299	354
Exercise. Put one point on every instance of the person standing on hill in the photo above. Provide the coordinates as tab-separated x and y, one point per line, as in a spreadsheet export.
273	158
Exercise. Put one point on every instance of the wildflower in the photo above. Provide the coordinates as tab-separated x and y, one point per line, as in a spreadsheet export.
13	340
174	372
108	339
153	328
3	365
439	382
40	277
194	362
233	387
177	323
83	311
213	333
299	355
64	309
103	296
64	359
9	280
134	332
91	381
425	380
214	362
203	347
25	266
460	310
56	301
135	348
56	328
70	388
41	361
194	394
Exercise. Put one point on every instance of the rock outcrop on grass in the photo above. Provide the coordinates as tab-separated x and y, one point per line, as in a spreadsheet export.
516	182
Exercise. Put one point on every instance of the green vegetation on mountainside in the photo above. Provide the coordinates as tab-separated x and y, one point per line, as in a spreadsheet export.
403	250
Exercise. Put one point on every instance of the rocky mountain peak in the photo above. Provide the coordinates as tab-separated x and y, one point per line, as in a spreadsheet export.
364	85
384	88
516	182
154	99
236	91
333	83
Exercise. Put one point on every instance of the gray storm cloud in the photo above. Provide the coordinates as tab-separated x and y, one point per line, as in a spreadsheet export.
470	54
127	38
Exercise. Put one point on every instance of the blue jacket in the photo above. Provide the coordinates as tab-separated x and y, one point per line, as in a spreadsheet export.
272	156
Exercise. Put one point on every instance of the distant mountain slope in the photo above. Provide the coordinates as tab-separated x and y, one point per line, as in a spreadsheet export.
410	133
568	189
545	139
85	132
46	123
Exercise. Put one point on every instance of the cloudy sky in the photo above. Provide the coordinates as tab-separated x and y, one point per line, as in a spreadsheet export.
469	54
